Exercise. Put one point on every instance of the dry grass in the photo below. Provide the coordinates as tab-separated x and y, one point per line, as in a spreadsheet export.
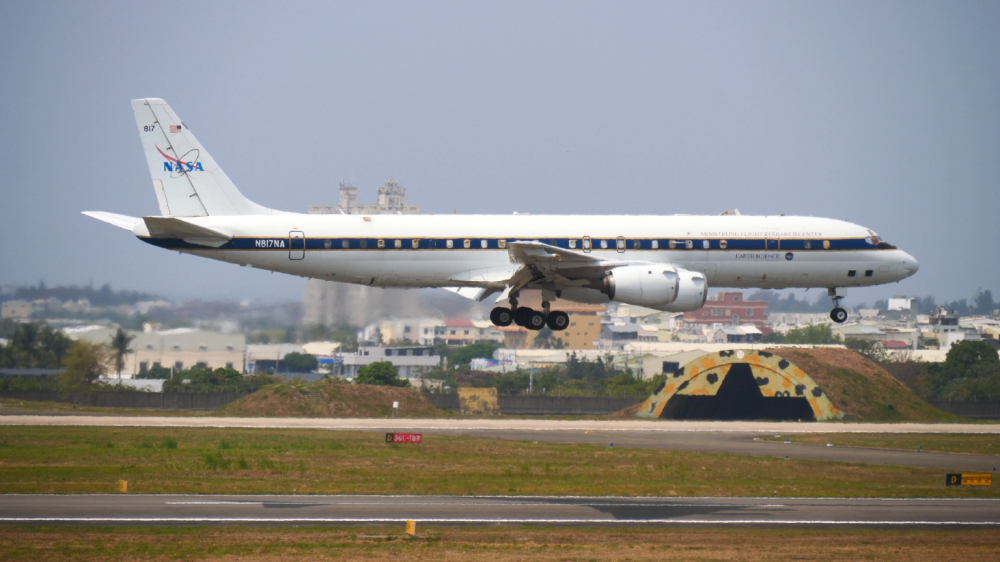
495	543
861	388
331	398
74	460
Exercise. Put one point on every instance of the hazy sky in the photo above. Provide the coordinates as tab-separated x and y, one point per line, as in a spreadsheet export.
886	114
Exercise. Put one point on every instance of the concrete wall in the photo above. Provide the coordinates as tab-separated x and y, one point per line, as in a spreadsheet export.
155	400
544	405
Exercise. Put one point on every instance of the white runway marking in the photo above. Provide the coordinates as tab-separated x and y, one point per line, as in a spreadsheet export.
480	521
491	504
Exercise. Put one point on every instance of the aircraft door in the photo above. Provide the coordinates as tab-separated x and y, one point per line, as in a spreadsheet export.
296	245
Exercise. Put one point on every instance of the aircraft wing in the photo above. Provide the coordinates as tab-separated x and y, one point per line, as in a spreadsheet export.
560	268
173	227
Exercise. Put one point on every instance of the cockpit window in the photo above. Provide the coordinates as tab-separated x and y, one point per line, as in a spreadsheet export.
879	243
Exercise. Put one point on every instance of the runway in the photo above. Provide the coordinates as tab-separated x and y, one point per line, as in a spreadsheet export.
739	438
200	510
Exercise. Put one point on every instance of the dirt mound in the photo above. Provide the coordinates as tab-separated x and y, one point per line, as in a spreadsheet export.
331	398
860	387
626	414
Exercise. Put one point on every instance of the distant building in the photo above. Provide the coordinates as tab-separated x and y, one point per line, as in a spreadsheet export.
729	309
181	348
410	361
737	334
15	309
330	303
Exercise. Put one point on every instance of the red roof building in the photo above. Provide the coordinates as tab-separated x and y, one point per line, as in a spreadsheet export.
729	309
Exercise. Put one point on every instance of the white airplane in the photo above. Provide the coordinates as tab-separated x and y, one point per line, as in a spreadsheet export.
662	262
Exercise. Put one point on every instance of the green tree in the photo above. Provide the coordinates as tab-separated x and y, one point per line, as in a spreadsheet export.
464	355
814	334
773	337
85	364
969	365
869	348
296	362
381	373
119	347
545	339
215	380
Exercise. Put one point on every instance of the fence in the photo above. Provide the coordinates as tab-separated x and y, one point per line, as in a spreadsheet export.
982	410
544	405
126	399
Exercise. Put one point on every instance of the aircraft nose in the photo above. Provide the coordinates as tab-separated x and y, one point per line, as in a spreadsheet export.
910	264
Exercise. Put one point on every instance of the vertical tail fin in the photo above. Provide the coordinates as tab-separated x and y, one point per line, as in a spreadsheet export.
187	181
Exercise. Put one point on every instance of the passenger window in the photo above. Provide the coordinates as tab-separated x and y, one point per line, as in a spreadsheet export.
604	244
380	244
620	244
723	244
345	243
656	244
826	244
586	244
852	273
501	243
467	244
673	244
328	244
869	272
808	244
448	244
416	243
482	243
398	243
704	244
689	244
572	244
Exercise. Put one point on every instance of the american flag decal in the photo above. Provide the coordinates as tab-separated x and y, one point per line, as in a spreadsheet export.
175	128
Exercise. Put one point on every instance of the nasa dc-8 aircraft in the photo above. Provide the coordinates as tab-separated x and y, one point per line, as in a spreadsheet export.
662	262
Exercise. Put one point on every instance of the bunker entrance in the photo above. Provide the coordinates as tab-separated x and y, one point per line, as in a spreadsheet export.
738	398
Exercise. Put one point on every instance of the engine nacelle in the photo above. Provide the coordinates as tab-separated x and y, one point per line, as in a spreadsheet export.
691	293
661	287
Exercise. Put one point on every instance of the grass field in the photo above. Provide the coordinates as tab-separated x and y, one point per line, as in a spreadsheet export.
495	543
76	460
946	443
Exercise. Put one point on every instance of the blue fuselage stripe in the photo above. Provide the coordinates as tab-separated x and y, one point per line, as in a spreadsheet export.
390	244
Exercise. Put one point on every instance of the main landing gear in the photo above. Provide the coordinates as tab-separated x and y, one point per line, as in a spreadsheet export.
838	314
556	320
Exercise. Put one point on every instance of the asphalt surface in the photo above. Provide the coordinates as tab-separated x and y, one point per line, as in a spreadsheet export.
740	438
451	510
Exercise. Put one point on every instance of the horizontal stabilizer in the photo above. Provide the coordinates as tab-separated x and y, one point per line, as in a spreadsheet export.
172	227
121	221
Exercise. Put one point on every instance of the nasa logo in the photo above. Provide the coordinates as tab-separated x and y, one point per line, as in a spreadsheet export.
177	165
789	256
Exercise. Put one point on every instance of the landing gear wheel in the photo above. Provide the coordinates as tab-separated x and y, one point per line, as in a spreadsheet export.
838	315
558	321
522	315
536	321
501	316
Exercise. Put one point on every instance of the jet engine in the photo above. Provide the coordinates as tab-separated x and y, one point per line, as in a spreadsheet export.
661	287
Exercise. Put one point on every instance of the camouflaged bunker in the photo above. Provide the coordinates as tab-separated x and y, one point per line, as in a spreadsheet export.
739	385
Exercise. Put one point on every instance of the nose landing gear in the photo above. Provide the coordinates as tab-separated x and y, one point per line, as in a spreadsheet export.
838	314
